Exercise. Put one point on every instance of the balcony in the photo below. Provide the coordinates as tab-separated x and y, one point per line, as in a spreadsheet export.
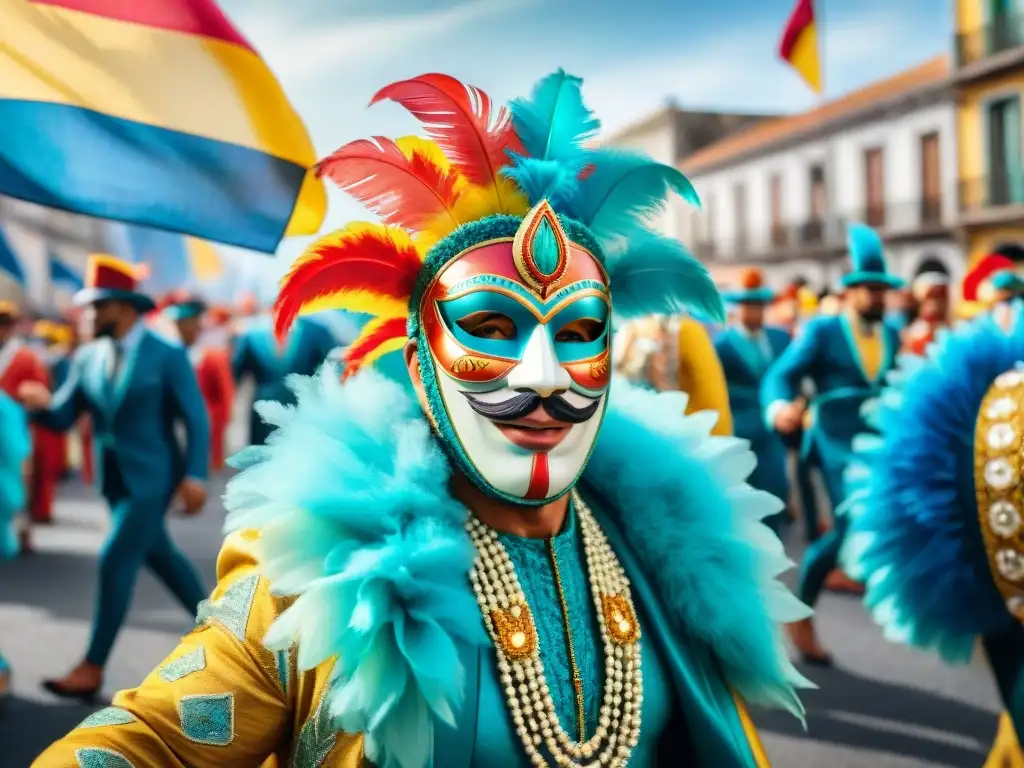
820	239
993	48
993	199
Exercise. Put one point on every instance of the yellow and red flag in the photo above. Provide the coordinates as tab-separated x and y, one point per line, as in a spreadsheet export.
799	45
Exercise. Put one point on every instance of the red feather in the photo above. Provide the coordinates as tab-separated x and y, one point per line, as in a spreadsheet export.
460	119
358	351
370	264
406	191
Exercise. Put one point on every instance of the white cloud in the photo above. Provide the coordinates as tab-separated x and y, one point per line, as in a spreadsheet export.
741	71
297	53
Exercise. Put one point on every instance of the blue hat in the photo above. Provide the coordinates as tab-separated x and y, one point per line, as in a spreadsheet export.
752	290
184	310
1007	280
867	259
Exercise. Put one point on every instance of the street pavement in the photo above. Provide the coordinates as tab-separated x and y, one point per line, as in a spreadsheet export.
881	707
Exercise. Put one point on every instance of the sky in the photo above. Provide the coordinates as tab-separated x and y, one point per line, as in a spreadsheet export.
331	56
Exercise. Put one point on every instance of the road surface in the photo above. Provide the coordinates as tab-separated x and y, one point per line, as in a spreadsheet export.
883	707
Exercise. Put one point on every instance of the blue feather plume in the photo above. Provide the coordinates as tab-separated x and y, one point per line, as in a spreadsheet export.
553	125
654	274
624	189
914	539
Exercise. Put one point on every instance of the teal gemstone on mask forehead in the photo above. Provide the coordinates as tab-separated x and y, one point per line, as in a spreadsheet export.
545	249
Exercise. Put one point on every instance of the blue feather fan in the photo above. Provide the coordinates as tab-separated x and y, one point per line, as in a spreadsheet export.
915	538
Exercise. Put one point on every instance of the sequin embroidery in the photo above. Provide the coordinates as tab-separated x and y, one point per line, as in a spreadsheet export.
208	718
95	757
108	716
193	661
232	608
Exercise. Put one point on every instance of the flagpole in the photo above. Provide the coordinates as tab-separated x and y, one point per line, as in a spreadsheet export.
832	234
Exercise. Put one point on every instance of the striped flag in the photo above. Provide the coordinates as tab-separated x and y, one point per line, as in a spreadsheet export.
62	276
799	45
153	112
10	265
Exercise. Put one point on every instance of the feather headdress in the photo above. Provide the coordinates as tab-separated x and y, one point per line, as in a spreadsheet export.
480	161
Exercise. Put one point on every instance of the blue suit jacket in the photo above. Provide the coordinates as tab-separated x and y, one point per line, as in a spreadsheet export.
744	369
826	354
134	418
257	354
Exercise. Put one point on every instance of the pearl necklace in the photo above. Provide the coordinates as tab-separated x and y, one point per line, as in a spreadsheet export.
510	625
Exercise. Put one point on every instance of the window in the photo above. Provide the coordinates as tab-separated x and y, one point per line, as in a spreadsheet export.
874	187
931	179
1004	151
813	231
775	202
706	241
739	199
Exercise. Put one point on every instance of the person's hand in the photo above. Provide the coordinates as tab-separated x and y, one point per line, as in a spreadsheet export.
789	418
34	395
192	494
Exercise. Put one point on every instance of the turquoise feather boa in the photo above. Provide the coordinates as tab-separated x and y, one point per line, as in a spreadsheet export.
352	495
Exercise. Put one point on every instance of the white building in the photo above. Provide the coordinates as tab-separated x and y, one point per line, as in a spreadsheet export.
34	234
672	134
777	194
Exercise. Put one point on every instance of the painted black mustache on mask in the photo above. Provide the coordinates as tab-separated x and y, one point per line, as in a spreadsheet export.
523	404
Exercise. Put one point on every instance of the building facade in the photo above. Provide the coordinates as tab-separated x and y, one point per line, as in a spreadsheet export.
988	78
778	194
35	234
672	134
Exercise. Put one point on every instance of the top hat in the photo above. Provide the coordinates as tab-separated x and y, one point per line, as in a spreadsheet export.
867	258
752	290
111	279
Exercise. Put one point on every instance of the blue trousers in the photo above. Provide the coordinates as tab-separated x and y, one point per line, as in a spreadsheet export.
822	555
138	536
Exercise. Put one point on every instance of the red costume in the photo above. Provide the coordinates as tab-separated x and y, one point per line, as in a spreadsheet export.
931	292
19	364
213	371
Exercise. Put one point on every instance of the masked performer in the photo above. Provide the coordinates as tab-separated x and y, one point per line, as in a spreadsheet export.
936	530
846	358
15	449
509	564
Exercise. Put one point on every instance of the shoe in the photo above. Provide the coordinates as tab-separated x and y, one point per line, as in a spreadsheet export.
805	640
837	581
82	683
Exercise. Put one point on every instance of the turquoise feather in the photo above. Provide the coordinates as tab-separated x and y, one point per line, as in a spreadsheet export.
624	189
914	536
373	548
654	274
553	124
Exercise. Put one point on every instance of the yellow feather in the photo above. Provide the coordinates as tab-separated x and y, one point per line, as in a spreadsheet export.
364	302
429	149
472	204
391	345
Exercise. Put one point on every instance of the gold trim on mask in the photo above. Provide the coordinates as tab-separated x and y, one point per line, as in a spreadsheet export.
523	245
997	479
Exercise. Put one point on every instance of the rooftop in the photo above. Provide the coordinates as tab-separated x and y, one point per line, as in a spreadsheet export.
765	135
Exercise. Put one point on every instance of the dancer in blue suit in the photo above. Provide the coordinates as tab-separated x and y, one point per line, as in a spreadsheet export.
746	349
257	354
846	357
15	449
137	387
